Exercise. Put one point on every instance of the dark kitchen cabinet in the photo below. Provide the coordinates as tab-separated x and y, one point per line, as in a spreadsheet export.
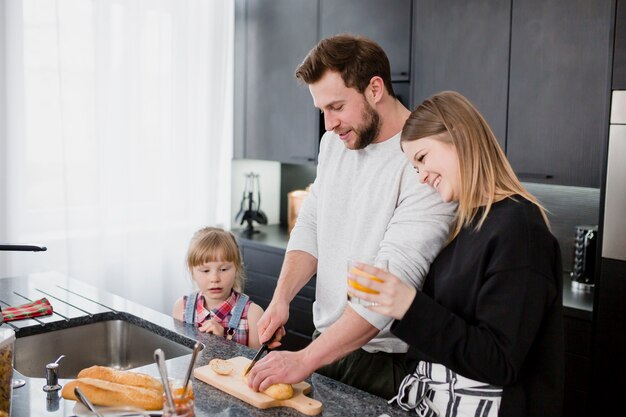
463	46
559	90
263	263
274	114
386	22
538	71
577	366
619	58
609	337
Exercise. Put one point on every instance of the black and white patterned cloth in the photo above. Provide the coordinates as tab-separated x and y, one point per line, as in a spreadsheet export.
434	390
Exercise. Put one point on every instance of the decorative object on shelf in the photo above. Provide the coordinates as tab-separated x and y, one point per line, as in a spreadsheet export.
249	209
294	202
584	258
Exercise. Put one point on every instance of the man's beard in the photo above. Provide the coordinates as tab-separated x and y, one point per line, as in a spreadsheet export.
371	127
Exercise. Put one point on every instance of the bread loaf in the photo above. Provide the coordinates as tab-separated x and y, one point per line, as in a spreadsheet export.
221	366
278	391
134	379
101	392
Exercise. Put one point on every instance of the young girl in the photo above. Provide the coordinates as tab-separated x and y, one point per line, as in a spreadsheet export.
219	307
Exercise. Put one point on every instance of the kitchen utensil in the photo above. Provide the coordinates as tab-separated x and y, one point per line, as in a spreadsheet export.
194	354
583	269
159	358
264	348
85	401
253	213
256	358
236	386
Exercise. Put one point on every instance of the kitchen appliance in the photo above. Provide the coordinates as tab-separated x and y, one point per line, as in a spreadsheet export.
584	266
294	202
614	230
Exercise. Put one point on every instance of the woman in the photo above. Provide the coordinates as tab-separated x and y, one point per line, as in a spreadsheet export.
487	325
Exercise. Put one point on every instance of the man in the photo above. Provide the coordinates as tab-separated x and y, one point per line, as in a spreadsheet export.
365	201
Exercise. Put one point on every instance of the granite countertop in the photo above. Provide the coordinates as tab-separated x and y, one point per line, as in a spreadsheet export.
76	303
577	304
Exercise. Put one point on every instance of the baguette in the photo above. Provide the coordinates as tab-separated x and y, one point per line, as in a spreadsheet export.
134	379
101	392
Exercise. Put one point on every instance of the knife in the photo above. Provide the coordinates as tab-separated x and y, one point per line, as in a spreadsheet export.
260	353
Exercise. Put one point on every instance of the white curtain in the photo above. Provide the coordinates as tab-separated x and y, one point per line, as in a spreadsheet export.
117	139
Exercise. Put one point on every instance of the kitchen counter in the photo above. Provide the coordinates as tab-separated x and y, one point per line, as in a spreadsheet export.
577	304
77	303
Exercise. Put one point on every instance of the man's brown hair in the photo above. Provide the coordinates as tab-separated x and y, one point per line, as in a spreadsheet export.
356	58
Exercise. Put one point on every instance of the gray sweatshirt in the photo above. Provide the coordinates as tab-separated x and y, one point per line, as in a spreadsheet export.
367	203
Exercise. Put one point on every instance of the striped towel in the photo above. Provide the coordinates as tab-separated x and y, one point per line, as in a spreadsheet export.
36	308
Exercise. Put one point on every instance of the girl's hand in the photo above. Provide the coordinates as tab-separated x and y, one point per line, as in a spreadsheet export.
213	327
394	296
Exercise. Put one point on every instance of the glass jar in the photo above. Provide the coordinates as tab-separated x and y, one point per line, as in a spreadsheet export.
183	406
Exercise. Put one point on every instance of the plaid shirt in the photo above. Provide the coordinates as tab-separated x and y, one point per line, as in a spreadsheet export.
222	315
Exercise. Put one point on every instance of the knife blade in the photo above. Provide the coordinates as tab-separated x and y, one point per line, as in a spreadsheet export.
264	348
256	358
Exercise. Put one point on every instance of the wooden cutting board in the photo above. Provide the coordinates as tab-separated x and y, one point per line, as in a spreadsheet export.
234	385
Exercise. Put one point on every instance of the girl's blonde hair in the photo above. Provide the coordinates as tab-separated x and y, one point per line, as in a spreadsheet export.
212	244
485	172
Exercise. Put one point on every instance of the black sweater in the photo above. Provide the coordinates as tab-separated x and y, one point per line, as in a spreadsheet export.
491	309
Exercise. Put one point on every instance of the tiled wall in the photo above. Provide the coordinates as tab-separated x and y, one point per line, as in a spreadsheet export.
569	207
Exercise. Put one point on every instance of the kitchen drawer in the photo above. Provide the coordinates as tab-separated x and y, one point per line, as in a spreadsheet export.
260	285
574	403
577	372
266	262
295	341
300	322
577	336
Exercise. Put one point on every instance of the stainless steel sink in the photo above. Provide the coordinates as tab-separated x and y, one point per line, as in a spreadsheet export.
115	343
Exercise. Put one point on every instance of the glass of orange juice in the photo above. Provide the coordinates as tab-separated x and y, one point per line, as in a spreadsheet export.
184	406
380	263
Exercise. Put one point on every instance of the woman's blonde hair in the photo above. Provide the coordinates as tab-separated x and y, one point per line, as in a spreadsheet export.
212	244
485	172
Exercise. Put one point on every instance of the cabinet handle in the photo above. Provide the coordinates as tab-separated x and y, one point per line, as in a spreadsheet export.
302	158
533	176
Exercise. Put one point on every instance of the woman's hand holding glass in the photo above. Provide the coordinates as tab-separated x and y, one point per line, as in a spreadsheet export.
392	297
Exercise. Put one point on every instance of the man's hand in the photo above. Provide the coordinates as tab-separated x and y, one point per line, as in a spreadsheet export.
271	323
349	333
279	367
